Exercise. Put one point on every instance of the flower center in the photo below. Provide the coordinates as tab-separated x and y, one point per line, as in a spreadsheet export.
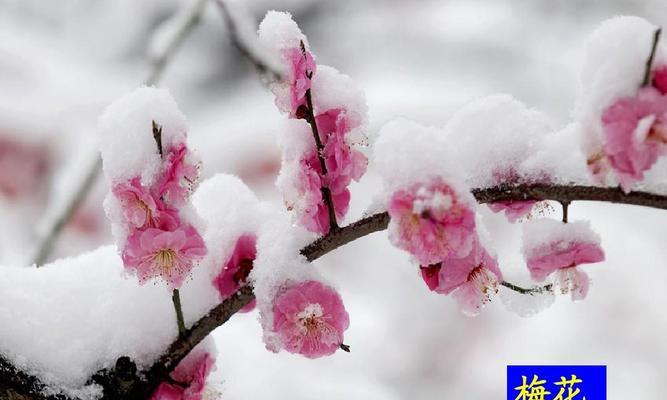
483	279
165	259
311	317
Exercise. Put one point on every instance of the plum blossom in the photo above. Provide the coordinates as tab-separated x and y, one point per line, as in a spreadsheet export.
431	221
554	247
343	162
181	172
312	212
325	160
237	268
189	379
301	67
309	319
514	210
635	132
471	279
660	79
152	253
139	207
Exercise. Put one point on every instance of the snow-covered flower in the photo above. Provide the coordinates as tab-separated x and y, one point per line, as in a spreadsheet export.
471	279
181	171
140	209
514	210
431	221
551	246
153	253
188	379
301	67
635	133
309	319
343	162
336	111
237	268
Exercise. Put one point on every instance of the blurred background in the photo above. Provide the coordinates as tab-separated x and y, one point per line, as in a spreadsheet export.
62	62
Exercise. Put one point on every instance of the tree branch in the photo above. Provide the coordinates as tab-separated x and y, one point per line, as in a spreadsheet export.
140	386
248	50
380	221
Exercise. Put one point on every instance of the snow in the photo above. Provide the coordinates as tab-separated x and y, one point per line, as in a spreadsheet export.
332	89
70	61
230	209
278	31
493	135
71	318
543	231
406	152
126	135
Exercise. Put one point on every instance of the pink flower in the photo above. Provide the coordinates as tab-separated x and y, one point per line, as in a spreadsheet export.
660	79
635	132
153	253
179	176
300	67
312	212
514	210
237	268
343	163
431	222
566	247
139	207
310	319
472	278
189	377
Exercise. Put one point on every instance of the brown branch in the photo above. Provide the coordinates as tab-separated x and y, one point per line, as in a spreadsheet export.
308	113
261	64
649	61
122	382
530	291
378	222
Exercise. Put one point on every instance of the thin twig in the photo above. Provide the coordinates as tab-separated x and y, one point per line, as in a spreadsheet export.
157	136
649	61
190	20
155	74
530	291
565	205
176	299
259	61
309	115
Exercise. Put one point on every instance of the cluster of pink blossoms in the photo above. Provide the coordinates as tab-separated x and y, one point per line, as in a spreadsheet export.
295	96
160	243
635	133
188	379
436	225
309	319
471	279
236	269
